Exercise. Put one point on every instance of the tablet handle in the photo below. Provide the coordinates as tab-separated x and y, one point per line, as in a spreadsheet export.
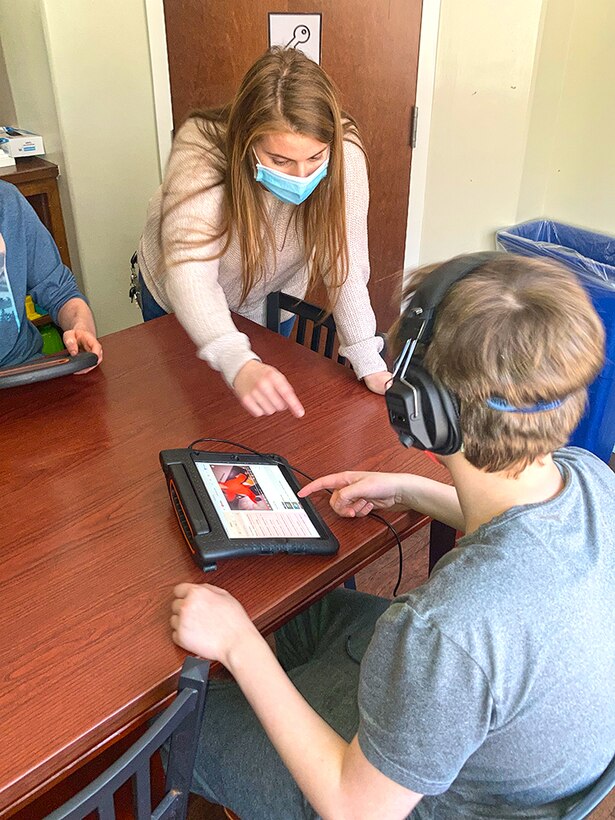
180	482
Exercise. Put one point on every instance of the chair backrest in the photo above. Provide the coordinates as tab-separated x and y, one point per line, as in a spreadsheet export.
181	723
596	794
308	316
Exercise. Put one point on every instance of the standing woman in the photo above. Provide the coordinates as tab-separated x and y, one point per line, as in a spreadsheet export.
268	193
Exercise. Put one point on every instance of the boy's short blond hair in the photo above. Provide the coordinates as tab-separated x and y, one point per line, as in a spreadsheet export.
520	329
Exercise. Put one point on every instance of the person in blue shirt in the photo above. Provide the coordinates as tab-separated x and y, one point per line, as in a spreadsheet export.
30	264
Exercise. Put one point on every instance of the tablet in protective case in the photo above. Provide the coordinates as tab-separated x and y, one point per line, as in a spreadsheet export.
233	504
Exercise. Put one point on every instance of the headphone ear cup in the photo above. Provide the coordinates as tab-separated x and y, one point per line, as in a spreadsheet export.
435	424
450	407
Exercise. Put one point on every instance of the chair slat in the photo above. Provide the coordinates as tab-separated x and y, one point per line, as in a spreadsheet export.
273	311
106	806
168	808
143	792
315	338
329	343
301	328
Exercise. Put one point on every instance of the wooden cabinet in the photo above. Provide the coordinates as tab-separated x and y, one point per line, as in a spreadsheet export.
37	179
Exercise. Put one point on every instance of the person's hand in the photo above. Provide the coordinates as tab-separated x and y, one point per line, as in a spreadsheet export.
357	493
378	382
263	390
77	338
209	622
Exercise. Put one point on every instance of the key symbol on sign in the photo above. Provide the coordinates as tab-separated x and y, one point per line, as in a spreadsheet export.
301	35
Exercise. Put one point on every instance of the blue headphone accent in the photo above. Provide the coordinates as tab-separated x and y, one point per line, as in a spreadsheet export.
498	403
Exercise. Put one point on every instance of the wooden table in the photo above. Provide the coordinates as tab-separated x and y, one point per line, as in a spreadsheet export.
91	549
37	179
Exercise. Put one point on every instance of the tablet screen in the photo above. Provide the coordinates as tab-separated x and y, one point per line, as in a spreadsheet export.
255	501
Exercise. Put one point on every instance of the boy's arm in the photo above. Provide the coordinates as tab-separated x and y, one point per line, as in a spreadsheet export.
358	493
335	776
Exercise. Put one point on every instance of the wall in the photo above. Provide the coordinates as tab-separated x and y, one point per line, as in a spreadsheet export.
32	96
79	73
569	169
7	105
522	120
479	121
99	62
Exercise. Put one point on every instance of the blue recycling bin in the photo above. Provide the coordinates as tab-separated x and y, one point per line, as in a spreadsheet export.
592	257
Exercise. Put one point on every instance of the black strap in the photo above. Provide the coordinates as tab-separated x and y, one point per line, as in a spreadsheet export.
425	300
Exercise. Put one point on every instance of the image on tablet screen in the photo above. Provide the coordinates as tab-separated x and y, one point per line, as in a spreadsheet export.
255	501
240	488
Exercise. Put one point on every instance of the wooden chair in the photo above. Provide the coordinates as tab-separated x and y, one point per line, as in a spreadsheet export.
601	789
309	317
181	724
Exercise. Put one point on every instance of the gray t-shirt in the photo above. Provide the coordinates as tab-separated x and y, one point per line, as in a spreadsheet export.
491	688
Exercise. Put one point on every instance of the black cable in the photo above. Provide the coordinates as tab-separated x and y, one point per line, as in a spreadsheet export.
401	554
276	461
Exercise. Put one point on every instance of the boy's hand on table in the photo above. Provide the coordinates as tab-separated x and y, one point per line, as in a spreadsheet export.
209	622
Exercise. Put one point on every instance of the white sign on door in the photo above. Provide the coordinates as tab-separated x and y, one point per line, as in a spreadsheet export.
300	31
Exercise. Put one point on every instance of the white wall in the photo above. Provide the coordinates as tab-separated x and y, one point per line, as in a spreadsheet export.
79	74
479	121
33	100
570	167
547	100
522	120
99	61
7	106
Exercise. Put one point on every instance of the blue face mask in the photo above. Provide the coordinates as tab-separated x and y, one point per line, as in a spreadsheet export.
287	187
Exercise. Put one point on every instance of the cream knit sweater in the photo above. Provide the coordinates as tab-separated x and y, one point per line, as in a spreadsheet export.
203	293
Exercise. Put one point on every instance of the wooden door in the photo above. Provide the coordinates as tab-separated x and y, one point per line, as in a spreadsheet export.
369	48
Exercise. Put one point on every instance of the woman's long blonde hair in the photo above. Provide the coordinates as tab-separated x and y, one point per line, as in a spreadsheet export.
283	91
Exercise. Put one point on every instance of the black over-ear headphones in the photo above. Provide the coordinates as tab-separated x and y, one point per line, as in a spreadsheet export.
423	413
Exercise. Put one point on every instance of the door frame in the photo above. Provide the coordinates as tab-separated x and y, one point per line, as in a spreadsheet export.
161	81
430	20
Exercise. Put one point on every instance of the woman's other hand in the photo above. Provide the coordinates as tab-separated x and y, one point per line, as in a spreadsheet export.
378	382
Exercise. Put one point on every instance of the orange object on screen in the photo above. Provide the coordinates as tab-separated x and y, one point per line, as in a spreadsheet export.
233	487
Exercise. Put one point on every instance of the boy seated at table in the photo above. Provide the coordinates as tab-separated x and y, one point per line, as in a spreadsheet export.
30	264
488	690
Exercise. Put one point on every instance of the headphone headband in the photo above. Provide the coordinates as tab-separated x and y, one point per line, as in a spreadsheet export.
420	311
